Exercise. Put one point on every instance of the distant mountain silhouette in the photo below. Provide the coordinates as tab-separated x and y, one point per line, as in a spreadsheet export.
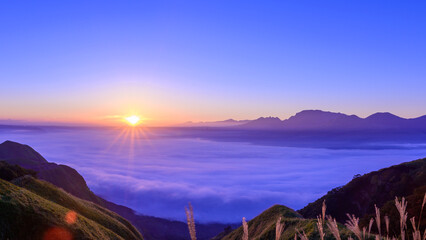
224	123
263	123
322	120
71	181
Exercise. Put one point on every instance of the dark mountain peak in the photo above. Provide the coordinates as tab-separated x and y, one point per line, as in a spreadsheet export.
264	123
324	120
20	153
384	116
272	119
320	113
230	120
317	119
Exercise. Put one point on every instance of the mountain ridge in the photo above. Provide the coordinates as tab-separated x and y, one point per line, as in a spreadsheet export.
35	209
325	120
362	193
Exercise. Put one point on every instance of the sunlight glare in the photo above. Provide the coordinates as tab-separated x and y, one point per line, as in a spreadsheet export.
133	120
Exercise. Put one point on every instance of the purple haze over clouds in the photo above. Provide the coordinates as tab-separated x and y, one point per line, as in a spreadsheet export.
225	181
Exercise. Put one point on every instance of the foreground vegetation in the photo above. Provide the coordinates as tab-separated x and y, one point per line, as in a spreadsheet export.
290	225
34	209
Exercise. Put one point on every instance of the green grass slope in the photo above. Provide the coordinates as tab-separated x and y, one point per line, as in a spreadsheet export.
262	227
39	209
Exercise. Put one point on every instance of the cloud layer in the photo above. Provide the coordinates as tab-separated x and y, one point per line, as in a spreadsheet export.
225	181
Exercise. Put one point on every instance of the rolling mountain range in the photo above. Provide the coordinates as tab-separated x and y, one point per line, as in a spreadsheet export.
322	120
224	123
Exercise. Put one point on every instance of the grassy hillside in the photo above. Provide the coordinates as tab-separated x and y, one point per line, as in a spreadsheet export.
380	187
34	209
61	176
358	197
263	226
414	204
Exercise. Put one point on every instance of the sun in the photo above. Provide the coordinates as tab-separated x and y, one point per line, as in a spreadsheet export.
133	120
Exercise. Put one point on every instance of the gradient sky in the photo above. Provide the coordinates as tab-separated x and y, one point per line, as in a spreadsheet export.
174	61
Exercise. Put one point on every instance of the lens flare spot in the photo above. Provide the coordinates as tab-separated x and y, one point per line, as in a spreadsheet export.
57	233
71	217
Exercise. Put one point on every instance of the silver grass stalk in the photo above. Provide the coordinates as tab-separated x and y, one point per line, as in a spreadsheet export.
387	226
190	219
302	235
320	225
279	229
352	225
370	224
416	232
332	225
321	220
245	229
364	232
378	220
324	207
402	206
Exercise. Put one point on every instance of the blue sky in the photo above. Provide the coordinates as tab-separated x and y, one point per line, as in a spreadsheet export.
174	61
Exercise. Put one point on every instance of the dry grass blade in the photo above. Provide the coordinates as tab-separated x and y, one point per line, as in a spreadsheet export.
334	229
324	207
378	220
321	221
302	235
416	232
402	206
352	225
387	225
320	225
190	219
279	229
364	232
245	229
370	225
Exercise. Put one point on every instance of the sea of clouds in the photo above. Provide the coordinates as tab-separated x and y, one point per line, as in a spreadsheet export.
225	181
